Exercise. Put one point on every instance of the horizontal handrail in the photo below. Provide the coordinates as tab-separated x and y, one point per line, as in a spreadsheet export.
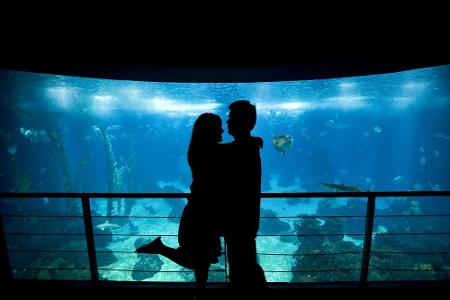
259	253
366	251
304	234
223	270
112	269
262	217
263	195
410	270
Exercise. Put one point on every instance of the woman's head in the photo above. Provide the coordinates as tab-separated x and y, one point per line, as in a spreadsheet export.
207	129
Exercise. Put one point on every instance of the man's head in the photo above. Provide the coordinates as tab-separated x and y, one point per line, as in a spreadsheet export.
241	118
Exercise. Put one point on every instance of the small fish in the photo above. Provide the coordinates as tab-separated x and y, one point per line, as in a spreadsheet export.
333	125
422	162
436	153
381	229
421	149
341	126
330	123
439	135
114	127
398	179
377	129
12	149
96	129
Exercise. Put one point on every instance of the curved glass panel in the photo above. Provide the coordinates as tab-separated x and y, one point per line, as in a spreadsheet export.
382	132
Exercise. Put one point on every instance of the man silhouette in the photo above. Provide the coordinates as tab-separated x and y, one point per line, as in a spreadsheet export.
242	171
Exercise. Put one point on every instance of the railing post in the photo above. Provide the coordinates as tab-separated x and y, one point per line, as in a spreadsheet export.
367	240
227	278
4	258
90	238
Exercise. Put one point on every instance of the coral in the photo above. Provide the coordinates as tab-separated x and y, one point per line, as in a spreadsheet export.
187	275
323	244
146	267
424	267
55	266
272	225
105	258
381	263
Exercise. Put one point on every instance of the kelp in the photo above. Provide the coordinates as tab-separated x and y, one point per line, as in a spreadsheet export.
114	173
129	203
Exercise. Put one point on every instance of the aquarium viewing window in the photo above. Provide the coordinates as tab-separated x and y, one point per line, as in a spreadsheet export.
385	132
73	134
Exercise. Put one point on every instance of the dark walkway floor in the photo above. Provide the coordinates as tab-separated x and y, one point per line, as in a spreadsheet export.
141	291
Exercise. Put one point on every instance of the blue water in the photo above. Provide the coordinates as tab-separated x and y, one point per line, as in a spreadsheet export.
388	132
362	131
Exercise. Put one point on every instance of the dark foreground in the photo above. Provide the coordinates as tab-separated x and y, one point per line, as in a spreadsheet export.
135	291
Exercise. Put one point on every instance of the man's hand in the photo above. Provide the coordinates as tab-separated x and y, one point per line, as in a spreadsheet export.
259	141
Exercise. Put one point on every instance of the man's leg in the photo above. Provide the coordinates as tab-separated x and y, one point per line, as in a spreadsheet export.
261	282
201	275
244	269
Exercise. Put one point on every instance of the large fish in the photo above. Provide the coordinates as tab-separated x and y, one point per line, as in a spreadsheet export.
283	143
107	226
340	187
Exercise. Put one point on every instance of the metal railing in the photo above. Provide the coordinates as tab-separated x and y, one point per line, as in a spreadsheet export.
6	271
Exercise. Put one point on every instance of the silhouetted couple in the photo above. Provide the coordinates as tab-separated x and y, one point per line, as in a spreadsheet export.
225	200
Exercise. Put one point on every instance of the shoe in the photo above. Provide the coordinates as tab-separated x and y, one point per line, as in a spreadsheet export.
150	248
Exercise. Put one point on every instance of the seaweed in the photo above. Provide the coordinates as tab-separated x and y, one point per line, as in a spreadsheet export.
114	173
129	203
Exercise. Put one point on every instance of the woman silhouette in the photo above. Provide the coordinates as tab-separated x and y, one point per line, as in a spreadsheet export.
198	233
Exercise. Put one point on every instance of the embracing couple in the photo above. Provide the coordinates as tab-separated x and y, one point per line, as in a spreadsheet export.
225	201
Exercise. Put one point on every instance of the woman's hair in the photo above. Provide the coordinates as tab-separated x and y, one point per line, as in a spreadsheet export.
206	129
